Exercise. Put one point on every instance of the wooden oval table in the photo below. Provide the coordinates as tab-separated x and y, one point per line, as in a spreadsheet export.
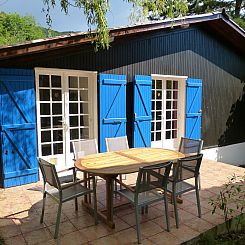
109	165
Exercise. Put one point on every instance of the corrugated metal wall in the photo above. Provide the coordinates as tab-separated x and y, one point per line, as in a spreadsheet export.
190	52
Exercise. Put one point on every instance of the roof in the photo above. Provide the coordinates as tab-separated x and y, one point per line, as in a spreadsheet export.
218	22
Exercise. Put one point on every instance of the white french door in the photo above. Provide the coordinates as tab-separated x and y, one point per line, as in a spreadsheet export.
168	111
66	112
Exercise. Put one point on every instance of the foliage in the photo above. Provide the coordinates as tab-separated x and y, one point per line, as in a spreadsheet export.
95	12
16	29
231	202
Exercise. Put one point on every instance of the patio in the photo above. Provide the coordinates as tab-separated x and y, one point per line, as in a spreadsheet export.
21	209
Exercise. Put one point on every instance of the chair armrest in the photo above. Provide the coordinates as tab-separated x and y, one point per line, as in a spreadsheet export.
67	169
124	185
77	182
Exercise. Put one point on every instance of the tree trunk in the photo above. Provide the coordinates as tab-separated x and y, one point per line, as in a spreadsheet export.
238	8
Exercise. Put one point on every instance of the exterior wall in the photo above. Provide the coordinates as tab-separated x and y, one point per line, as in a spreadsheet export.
232	154
188	52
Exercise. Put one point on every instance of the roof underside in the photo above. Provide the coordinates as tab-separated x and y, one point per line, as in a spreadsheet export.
217	23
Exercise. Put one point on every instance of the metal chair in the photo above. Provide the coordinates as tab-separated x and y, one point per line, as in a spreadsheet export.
186	168
84	147
151	186
63	192
191	147
117	144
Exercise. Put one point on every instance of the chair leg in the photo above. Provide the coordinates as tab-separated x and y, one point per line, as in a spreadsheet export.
95	206
43	208
58	221
199	182
76	204
166	210
137	218
175	211
198	200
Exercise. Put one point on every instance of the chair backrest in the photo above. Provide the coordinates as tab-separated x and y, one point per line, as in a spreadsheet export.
152	177
84	147
117	143
188	146
49	173
187	167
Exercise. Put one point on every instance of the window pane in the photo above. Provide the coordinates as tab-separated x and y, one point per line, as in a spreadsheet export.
84	133
83	120
175	84
152	136
159	95
44	81
74	121
158	84
44	95
84	108
168	95
56	81
175	103
174	114
74	134
56	95
83	82
73	108
57	122
174	124
153	94
45	122
168	105
73	95
175	95
45	136
73	82
168	134
153	84
153	116
158	135
44	109
158	115
168	124
58	148
57	135
83	95
153	105
168	114
152	126
46	150
169	84
158	126
174	134
158	105
56	108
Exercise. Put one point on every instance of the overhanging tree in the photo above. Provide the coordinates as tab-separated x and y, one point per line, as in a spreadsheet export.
95	12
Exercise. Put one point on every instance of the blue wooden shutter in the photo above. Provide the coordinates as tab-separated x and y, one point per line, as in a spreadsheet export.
18	127
193	108
142	111
112	107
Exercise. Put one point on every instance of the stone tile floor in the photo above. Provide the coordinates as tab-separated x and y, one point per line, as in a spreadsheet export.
20	209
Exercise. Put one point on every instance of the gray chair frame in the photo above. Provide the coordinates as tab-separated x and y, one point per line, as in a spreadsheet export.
190	146
178	186
151	186
63	192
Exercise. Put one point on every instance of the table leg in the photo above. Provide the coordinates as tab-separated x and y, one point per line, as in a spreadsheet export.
109	200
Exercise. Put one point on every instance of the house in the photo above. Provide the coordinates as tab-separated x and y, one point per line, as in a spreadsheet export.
157	82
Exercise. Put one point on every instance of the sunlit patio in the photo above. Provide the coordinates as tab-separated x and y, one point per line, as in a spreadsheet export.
20	210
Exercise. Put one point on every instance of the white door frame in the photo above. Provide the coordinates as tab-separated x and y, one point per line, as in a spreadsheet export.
92	107
173	143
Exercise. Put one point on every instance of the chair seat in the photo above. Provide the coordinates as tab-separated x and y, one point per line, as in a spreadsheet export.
144	197
181	187
71	192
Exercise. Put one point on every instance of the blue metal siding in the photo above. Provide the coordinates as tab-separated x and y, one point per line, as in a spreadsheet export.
18	128
142	111
112	107
193	108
